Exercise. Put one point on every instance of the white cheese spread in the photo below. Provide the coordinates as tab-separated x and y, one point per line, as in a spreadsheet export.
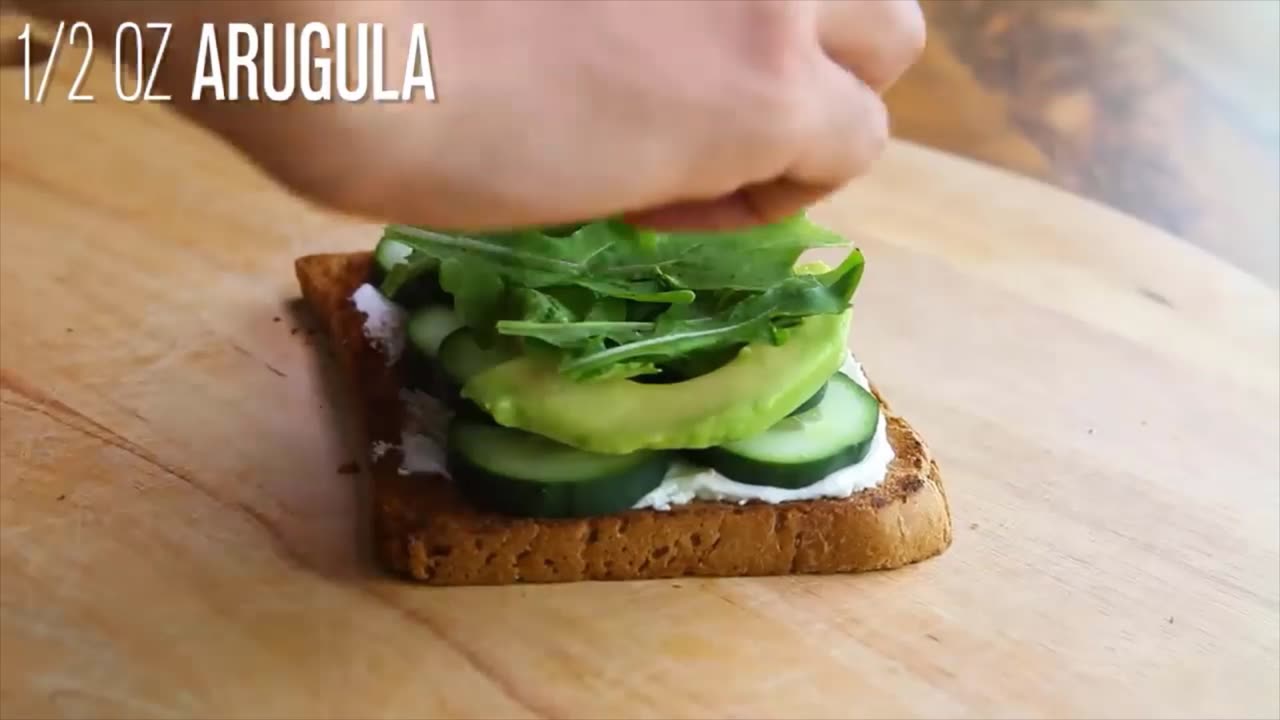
383	321
687	482
422	439
426	421
425	415
420	454
380	448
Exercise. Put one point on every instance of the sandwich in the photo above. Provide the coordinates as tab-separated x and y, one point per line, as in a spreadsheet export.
604	402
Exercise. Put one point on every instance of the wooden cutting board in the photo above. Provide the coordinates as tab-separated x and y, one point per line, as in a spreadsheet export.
183	537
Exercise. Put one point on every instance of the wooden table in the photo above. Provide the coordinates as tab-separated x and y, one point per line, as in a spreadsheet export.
180	534
1166	109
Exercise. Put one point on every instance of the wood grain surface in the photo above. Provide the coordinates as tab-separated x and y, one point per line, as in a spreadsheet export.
182	535
1166	109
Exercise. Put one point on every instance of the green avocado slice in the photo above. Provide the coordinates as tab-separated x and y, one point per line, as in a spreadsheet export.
744	397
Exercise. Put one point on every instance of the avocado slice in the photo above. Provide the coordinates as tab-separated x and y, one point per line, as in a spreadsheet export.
742	398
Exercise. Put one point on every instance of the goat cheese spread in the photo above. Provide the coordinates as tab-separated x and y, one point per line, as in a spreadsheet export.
383	320
426	424
686	482
422	437
426	420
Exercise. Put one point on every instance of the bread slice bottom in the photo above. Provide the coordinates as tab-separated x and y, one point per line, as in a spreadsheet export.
425	530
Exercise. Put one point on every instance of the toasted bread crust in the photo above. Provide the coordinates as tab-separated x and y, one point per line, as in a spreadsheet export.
425	530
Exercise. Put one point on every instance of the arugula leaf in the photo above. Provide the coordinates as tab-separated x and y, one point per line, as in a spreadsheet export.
579	301
618	260
528	258
478	294
576	334
685	329
406	271
846	277
701	362
751	259
640	291
618	301
607	309
538	307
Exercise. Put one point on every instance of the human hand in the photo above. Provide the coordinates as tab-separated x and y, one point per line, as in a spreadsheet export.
690	114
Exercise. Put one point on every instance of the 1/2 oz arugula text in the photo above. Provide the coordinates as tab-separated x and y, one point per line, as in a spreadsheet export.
245	62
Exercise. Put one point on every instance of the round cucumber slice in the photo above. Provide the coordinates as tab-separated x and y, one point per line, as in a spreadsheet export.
430	326
462	357
421	288
390	253
803	449
518	473
812	402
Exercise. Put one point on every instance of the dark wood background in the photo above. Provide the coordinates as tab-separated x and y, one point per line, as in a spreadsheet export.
1168	110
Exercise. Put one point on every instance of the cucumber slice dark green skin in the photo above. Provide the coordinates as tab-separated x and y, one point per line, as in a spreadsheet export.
430	326
812	402
418	372
420	290
427	328
461	357
388	254
803	449
518	473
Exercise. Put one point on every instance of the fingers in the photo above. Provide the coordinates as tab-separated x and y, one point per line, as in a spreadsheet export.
731	212
846	129
751	206
832	125
868	45
842	130
771	202
877	40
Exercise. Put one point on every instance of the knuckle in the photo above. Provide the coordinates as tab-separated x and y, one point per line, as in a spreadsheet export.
759	140
773	94
874	138
794	122
775	38
775	201
795	111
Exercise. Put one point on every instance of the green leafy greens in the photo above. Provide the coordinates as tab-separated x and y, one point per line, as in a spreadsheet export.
617	301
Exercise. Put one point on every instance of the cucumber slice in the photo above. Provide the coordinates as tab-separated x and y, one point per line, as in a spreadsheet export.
519	473
390	253
461	357
420	287
430	326
801	450
812	402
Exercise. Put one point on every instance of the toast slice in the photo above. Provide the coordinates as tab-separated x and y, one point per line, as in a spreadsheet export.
425	530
